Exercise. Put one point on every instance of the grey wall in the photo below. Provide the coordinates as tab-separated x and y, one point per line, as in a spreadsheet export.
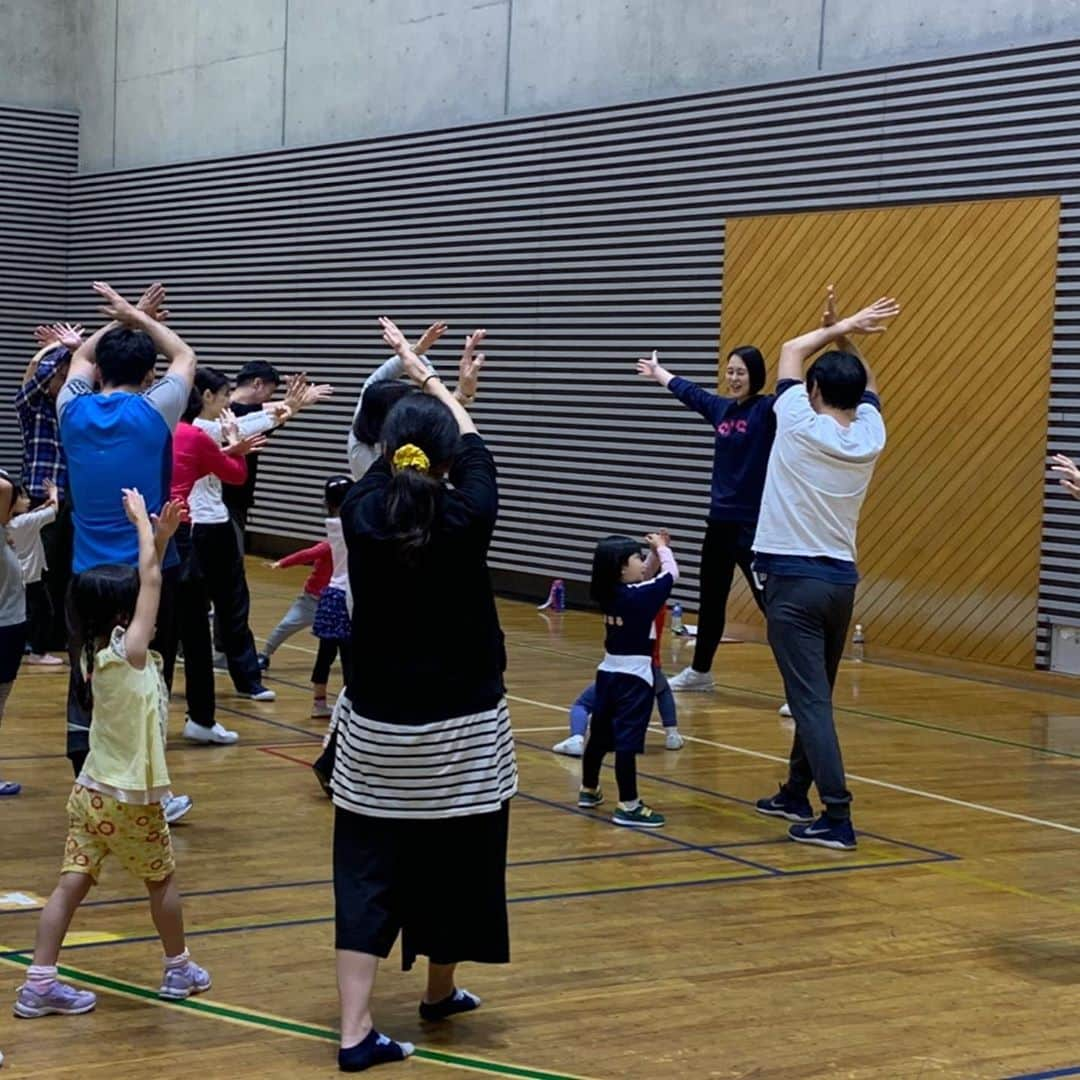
170	80
579	239
33	243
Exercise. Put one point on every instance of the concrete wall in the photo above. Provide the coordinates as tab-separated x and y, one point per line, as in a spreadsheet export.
37	54
168	80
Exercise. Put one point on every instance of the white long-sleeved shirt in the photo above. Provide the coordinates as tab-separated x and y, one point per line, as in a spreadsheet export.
25	530
363	455
205	503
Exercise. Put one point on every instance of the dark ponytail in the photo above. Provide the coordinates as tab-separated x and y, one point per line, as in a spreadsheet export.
419	437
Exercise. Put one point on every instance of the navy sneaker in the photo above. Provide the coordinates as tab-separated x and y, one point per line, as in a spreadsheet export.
264	662
825	832
784	804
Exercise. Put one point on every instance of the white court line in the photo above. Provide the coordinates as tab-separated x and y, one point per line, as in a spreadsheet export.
783	761
855	776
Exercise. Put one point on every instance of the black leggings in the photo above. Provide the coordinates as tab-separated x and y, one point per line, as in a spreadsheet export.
727	545
600	744
39	617
324	661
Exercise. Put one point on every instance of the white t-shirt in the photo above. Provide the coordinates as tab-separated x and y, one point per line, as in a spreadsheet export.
818	476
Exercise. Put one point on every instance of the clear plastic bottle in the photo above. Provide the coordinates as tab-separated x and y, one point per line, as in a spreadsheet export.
858	644
676	620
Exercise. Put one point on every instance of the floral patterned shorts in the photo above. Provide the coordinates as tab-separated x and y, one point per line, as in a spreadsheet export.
99	825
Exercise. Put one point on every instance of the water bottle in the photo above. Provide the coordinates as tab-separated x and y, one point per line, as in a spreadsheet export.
558	595
677	627
858	644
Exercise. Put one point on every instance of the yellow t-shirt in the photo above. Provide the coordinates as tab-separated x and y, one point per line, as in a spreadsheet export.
127	732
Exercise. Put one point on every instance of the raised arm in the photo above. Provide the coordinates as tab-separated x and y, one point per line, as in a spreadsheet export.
845	344
140	630
710	406
794	353
180	355
427	380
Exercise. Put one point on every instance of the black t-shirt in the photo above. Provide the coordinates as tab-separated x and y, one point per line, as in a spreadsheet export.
427	644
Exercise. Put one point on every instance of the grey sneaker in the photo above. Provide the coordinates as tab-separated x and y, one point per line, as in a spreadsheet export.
60	1000
692	681
180	983
175	807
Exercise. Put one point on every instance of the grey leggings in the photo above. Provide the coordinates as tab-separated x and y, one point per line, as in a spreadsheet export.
299	617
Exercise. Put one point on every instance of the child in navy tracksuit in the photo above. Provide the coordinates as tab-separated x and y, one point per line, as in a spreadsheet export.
630	591
582	709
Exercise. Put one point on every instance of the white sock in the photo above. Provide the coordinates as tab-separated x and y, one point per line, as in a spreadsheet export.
630	805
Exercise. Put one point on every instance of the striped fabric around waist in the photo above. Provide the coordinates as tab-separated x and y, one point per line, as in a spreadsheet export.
450	768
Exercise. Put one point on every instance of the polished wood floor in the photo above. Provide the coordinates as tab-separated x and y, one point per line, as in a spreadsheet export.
946	945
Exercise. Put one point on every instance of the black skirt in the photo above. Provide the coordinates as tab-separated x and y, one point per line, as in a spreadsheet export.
440	882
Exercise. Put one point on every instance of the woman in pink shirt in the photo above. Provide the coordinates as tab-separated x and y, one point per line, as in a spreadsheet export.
195	456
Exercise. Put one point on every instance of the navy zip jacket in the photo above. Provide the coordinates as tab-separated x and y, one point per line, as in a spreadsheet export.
744	437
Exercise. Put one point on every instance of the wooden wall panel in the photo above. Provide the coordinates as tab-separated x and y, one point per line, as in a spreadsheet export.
950	533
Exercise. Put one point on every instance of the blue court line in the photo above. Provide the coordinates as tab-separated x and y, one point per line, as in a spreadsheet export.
578	895
276	885
1070	1070
943	855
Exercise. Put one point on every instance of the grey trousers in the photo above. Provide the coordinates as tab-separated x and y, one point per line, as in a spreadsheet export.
807	626
299	617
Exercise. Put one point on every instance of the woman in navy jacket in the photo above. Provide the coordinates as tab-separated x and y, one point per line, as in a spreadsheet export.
744	426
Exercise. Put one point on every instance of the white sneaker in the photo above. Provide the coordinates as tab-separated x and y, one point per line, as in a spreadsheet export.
574	746
785	709
44	660
673	740
693	681
175	807
261	693
217	734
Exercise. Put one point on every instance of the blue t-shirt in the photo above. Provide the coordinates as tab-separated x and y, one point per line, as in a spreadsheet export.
743	438
115	441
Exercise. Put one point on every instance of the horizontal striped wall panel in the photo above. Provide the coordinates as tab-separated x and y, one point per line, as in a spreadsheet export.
38	153
579	240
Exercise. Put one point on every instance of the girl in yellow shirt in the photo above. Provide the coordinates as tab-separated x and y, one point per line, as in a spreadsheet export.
116	804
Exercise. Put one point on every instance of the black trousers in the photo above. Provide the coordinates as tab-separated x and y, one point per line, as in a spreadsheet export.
728	544
80	702
186	623
57	539
807	624
222	565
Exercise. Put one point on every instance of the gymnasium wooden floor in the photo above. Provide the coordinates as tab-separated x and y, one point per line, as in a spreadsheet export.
946	945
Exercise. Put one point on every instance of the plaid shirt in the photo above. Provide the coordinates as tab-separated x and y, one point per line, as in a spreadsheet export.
43	456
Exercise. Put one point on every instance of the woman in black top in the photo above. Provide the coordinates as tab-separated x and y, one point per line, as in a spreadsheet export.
425	762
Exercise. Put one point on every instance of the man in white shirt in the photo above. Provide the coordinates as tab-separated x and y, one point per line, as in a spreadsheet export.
829	433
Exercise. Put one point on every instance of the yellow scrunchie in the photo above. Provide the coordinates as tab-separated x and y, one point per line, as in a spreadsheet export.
411	457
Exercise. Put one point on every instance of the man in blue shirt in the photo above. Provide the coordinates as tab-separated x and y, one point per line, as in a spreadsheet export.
119	437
